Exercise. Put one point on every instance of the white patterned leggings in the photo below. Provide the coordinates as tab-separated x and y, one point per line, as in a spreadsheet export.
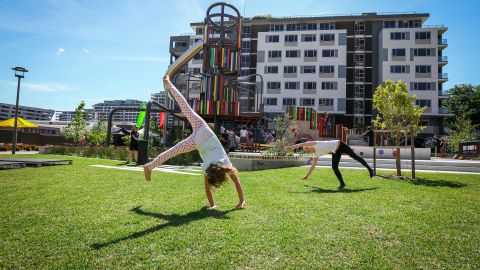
190	143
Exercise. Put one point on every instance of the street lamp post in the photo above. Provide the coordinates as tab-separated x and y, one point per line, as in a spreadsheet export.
19	73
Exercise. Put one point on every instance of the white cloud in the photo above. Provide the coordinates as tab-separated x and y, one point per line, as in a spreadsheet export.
45	87
85	50
61	51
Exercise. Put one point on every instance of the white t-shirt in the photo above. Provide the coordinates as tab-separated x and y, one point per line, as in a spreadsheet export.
325	147
210	148
243	133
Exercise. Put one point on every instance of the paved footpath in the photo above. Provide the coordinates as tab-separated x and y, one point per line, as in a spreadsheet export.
189	170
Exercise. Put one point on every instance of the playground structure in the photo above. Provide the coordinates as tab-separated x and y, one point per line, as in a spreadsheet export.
220	82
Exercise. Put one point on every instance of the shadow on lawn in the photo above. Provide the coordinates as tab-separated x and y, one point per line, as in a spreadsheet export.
174	220
436	183
345	190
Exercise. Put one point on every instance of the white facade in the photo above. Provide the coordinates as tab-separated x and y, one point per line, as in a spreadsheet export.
310	54
418	63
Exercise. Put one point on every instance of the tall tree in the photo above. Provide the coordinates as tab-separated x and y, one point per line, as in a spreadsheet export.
396	111
76	129
464	101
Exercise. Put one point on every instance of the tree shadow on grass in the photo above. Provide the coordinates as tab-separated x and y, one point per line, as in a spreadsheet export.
345	190
173	220
436	183
425	182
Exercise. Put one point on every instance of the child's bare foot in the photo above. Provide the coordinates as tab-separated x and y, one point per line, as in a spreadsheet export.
148	173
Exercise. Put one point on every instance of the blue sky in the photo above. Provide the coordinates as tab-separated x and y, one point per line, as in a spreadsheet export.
118	49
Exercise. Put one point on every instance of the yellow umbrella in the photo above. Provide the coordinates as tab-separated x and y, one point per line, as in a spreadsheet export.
21	123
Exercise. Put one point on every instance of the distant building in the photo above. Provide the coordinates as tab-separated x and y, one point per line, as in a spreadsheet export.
7	111
69	115
161	97
102	110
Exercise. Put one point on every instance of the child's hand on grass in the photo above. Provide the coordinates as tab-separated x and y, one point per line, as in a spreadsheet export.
241	205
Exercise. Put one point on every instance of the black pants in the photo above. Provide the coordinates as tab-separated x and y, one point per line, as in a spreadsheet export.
345	149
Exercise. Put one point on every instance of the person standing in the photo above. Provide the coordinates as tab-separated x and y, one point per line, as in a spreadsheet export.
133	148
243	138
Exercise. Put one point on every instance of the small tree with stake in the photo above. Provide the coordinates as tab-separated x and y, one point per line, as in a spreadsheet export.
396	111
76	129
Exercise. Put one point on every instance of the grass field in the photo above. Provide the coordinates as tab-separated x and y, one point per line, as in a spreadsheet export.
78	216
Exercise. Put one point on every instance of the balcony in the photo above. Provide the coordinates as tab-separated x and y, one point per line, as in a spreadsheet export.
442	60
442	43
442	110
443	76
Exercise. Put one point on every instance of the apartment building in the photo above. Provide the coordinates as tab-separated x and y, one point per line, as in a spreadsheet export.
335	63
102	110
7	111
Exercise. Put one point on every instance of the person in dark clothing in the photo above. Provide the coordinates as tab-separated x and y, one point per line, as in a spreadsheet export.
133	149
251	138
369	135
336	148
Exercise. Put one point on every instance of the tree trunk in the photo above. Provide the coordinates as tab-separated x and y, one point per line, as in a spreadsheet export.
399	169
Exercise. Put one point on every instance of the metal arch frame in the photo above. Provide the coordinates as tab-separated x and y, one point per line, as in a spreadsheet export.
134	109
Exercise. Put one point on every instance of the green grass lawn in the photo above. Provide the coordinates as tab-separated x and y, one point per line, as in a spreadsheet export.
86	217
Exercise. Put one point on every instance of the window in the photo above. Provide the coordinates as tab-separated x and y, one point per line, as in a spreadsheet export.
359	91
196	70
329	53
273	85
422	35
289	101
198	56
398	36
271	70
329	86
359	44
291	38
398	69
326	69
327	26
358	106
290	69
309	26
409	24
292	85
291	27
309	38
389	24
423	102
325	102
272	39
359	75
422	52
180	44
398	52
308	69
359	28
275	28
246	45
307	102
292	54
246	31
199	31
423	69
270	101
327	37
359	59
310	53
245	60
421	86
274	54
310	85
